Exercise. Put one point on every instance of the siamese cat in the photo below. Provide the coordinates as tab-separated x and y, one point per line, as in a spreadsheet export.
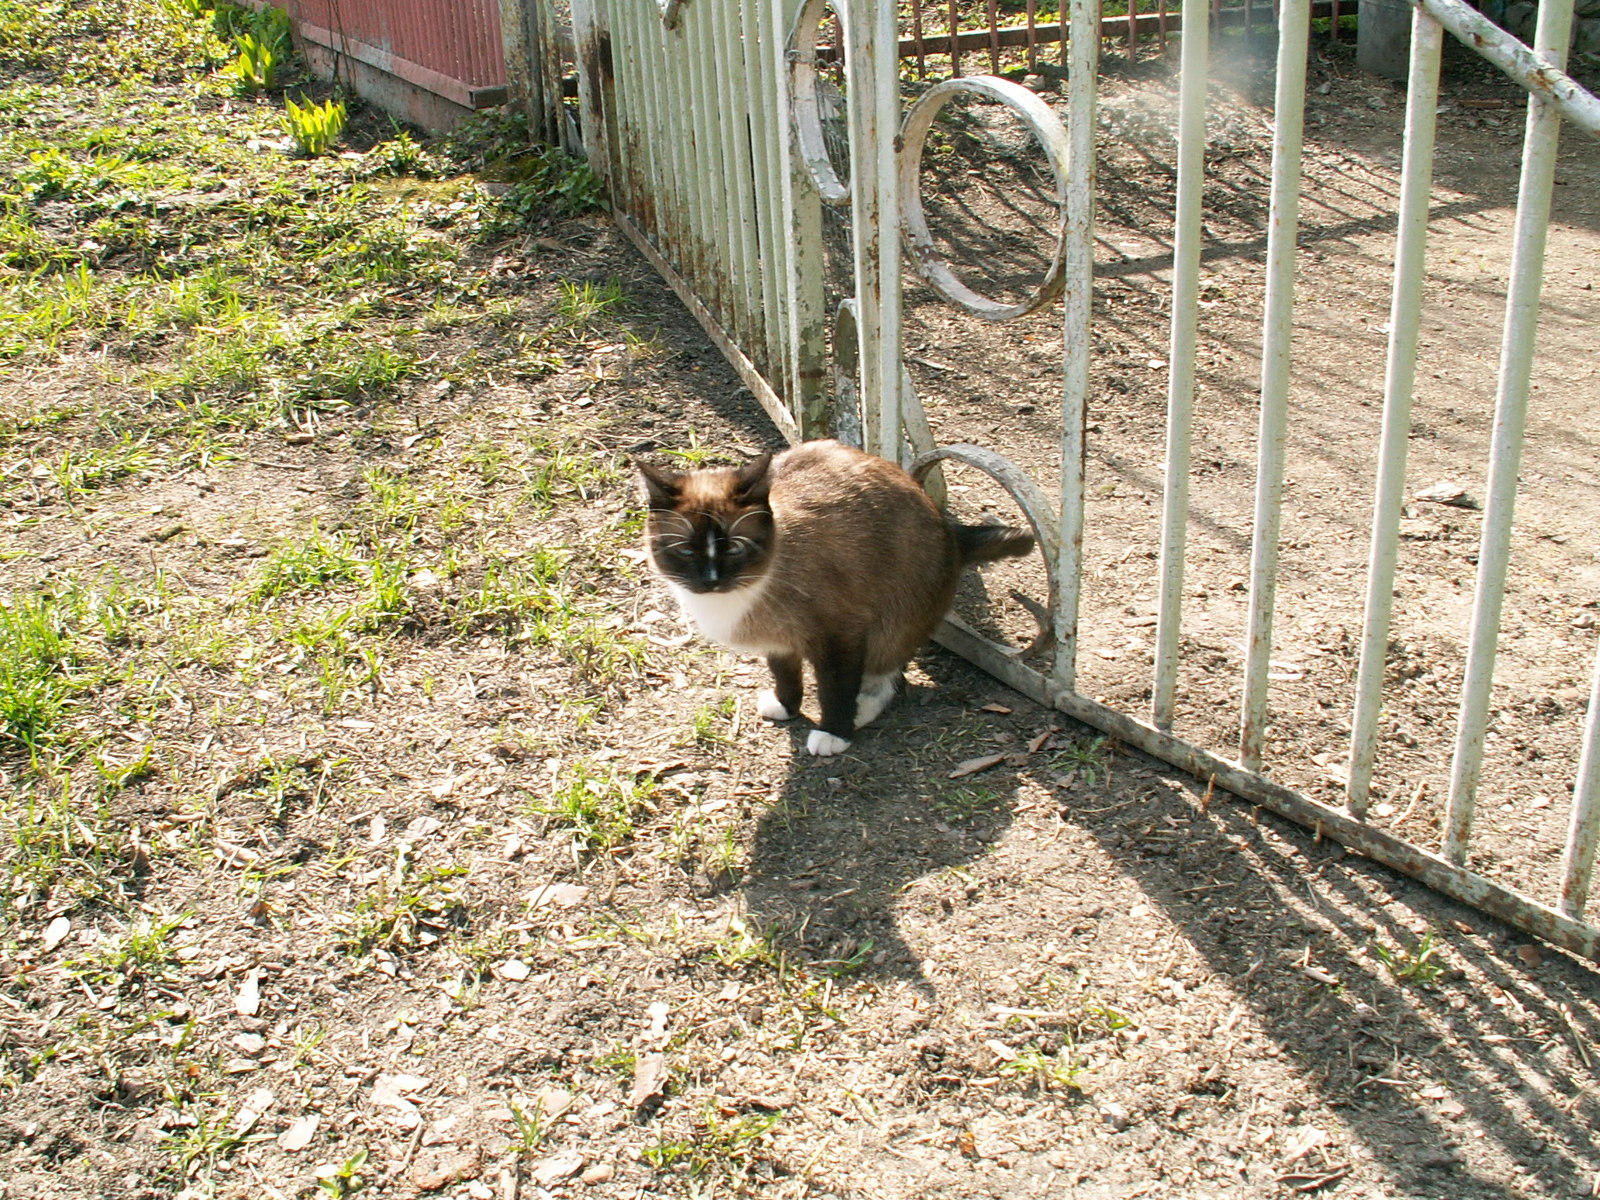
822	555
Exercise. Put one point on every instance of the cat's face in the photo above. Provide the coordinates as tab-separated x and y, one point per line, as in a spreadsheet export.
709	531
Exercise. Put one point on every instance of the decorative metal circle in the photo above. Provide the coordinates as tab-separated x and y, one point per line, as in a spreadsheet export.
808	115
1052	137
1035	506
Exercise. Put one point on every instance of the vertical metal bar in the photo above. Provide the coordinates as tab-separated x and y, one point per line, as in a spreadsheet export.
1577	860
1082	80
885	49
916	37
1133	30
1539	150
594	99
1161	25
702	113
1294	29
1187	236
732	127
874	108
635	148
1249	15
1033	35
955	42
1333	26
810	399
798	241
757	98
994	37
1405	318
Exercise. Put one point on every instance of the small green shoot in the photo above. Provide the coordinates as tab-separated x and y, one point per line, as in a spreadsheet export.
344	1179
313	127
1412	964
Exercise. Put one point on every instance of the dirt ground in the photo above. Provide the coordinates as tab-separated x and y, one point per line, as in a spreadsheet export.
523	916
999	386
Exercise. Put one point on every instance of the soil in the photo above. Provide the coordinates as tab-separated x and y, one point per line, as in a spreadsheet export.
1069	973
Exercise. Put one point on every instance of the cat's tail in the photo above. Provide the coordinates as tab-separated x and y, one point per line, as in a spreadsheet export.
985	543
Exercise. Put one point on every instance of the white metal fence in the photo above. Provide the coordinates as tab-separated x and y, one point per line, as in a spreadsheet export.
705	120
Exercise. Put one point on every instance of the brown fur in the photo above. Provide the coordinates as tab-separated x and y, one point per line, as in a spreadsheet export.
856	565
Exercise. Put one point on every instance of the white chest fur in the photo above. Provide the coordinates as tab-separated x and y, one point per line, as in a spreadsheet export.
718	615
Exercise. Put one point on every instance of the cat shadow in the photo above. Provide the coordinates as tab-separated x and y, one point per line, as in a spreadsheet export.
855	843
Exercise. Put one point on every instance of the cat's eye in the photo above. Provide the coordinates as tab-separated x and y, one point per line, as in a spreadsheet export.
682	552
737	550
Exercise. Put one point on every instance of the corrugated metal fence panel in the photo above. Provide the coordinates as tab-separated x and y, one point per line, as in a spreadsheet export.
452	49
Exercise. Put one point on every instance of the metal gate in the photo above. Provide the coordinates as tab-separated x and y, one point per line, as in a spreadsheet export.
707	119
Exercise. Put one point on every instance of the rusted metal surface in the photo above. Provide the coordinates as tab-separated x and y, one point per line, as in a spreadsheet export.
1540	73
1033	34
453	51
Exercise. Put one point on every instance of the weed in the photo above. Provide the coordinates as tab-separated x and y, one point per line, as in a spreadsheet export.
1412	964
313	127
581	306
710	721
344	1179
38	655
317	563
597	803
720	1148
962	803
195	1149
53	842
742	946
404	910
1063	1069
261	48
532	1128
145	951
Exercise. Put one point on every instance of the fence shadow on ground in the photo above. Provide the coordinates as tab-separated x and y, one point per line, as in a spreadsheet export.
1453	1086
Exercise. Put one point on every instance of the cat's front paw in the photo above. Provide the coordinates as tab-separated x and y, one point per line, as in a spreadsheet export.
770	707
824	744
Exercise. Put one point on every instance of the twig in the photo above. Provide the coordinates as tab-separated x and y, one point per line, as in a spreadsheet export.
281	466
411	1151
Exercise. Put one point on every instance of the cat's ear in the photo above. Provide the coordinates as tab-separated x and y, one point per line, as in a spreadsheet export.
753	480
660	486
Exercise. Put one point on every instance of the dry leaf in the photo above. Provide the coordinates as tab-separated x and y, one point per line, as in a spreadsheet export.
252	1111
657	1013
1039	740
237	856
649	1079
557	1166
389	1091
561	895
514	969
973	765
1306	1139
298	1136
55	931
247	1002
996	708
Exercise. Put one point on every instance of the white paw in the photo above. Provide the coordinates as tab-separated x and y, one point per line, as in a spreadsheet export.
824	744
768	705
874	698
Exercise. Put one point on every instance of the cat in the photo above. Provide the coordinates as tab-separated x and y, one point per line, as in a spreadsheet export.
823	555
